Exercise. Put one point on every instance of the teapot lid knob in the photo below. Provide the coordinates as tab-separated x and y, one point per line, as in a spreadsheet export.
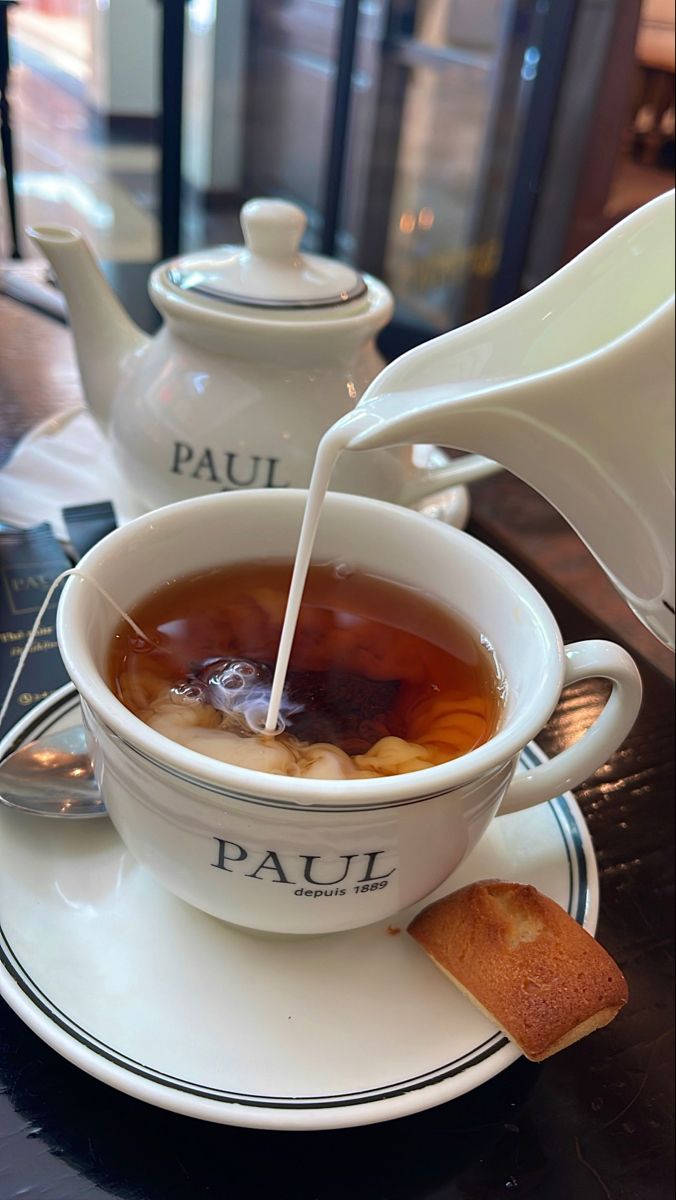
273	228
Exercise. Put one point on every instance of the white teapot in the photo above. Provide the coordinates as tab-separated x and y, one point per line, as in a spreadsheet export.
262	349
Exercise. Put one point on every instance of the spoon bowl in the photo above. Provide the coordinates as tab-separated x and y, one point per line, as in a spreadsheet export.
52	777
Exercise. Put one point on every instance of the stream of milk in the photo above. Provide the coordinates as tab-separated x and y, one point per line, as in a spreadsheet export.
385	419
334	441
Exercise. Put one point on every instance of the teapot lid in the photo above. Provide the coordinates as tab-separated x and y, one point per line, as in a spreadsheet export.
268	271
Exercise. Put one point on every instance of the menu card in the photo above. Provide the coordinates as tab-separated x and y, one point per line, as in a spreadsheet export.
30	560
87	524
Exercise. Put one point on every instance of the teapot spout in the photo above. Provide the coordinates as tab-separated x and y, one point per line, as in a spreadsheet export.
105	337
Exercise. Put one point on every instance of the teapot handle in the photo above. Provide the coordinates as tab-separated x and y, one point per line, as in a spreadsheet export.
466	469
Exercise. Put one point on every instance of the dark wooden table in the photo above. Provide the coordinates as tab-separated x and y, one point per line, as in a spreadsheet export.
595	1122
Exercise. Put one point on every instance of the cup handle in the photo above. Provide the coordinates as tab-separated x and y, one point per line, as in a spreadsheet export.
584	660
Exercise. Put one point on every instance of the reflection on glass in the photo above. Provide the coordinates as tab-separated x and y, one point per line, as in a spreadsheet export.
443	129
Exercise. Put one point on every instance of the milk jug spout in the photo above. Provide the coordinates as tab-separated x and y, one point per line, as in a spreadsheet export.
570	387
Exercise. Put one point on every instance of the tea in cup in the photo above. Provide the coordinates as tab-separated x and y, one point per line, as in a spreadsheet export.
292	851
382	680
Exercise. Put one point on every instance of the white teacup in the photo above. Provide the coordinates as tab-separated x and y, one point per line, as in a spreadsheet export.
307	856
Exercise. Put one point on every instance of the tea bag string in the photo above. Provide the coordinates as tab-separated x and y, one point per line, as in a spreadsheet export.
39	619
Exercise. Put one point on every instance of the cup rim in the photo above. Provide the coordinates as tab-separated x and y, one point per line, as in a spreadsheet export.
505	744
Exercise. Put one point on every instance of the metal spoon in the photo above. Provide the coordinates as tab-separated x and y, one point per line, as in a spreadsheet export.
52	777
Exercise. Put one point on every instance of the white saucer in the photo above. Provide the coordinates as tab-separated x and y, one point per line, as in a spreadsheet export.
189	1014
66	460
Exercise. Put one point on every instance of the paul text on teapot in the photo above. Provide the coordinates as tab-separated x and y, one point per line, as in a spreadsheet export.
226	467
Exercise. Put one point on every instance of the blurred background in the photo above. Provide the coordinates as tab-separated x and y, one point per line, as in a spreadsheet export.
461	150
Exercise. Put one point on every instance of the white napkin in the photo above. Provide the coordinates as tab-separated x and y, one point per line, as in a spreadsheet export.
63	461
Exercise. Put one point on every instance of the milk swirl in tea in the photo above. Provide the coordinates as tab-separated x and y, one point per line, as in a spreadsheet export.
381	680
